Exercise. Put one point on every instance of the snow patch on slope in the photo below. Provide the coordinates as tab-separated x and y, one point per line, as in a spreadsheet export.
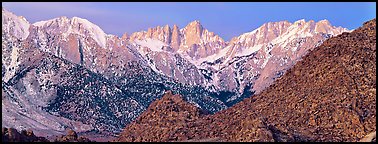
213	57
248	51
13	65
153	44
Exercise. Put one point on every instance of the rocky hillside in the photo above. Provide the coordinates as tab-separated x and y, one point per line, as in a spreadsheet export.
330	95
165	119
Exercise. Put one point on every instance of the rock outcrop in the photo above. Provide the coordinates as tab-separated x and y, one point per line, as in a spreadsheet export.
12	135
71	137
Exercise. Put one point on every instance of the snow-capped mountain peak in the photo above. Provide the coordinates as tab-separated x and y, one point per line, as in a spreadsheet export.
272	32
324	26
96	32
59	20
251	42
75	25
324	21
15	25
300	22
192	32
197	42
194	23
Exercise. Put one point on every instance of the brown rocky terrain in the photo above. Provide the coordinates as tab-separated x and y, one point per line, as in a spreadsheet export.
12	135
166	119
173	119
330	95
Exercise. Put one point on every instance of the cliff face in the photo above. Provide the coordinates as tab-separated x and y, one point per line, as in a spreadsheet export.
193	40
330	95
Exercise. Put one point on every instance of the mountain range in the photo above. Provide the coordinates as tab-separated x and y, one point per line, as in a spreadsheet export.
68	73
328	96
